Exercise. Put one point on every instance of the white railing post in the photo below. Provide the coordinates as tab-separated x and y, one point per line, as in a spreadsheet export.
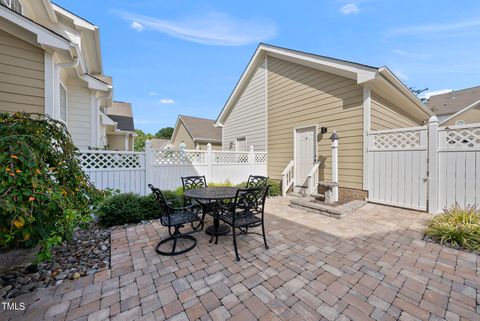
209	159
148	165
334	139
433	165
251	160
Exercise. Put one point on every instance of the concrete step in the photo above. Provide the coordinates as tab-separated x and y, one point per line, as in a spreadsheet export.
312	205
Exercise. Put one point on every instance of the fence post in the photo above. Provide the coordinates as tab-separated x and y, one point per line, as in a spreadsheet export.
148	165
334	139
433	165
209	160
251	159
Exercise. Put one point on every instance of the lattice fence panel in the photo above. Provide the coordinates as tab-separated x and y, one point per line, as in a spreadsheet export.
111	160
462	137
260	158
230	158
397	140
175	157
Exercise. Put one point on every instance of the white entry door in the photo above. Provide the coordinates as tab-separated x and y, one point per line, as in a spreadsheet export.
304	154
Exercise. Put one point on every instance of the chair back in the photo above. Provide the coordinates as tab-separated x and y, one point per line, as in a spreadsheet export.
257	181
251	200
192	182
161	201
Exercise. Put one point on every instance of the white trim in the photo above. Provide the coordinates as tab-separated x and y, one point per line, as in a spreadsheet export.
315	144
126	142
367	109
61	84
49	67
266	105
94	120
44	35
397	130
471	106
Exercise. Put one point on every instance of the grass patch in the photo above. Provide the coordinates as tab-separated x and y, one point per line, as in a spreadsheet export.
456	227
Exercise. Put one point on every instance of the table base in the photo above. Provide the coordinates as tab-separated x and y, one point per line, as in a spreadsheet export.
222	230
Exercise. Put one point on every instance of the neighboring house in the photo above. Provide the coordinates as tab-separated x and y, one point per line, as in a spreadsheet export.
121	135
457	107
51	63
196	133
285	97
160	143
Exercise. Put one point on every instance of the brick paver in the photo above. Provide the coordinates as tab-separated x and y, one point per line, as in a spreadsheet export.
371	265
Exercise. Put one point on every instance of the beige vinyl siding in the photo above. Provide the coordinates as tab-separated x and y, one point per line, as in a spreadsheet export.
22	77
182	135
78	114
302	96
385	115
116	142
469	117
247	118
203	146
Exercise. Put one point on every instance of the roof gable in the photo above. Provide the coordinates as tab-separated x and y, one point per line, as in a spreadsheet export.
199	129
362	74
454	101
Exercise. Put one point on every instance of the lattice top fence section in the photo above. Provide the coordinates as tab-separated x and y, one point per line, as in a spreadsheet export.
112	160
260	158
461	137
230	158
396	140
175	157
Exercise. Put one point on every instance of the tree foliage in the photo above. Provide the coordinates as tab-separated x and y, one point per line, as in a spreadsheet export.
44	194
418	92
139	142
166	132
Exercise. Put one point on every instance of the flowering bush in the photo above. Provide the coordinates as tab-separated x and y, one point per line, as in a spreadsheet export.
44	194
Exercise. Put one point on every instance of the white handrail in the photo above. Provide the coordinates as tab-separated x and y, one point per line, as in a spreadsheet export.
288	177
312	178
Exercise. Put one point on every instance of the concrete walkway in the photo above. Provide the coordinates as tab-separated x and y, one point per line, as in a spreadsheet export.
371	265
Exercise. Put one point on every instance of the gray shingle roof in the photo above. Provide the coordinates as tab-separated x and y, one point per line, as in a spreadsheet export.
452	102
202	128
123	122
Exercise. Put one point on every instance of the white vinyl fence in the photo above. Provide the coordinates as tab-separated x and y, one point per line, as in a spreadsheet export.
397	167
430	165
133	171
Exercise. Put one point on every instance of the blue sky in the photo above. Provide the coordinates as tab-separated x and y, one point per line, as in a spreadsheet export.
172	57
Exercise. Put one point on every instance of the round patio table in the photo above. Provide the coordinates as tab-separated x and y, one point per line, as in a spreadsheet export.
216	195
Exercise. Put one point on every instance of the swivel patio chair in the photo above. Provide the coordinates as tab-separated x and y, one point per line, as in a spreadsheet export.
193	182
174	218
247	212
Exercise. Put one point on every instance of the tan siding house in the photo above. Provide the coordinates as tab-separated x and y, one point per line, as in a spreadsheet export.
247	120
22	76
51	63
196	133
386	115
308	94
467	117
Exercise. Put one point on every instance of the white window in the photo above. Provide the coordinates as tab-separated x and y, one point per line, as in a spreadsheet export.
15	5
460	122
63	103
241	145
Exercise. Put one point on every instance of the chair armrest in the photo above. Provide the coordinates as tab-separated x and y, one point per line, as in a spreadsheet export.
181	208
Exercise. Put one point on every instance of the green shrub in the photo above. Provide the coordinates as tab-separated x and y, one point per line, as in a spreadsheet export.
44	192
457	227
131	208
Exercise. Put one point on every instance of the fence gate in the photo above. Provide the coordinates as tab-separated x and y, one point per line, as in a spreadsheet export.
397	167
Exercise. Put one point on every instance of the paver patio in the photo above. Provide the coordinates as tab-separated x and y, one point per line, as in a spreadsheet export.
371	265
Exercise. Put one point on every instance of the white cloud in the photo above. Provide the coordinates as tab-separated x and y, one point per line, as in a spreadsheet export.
350	8
152	93
137	26
435	28
411	55
167	101
211	29
435	92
